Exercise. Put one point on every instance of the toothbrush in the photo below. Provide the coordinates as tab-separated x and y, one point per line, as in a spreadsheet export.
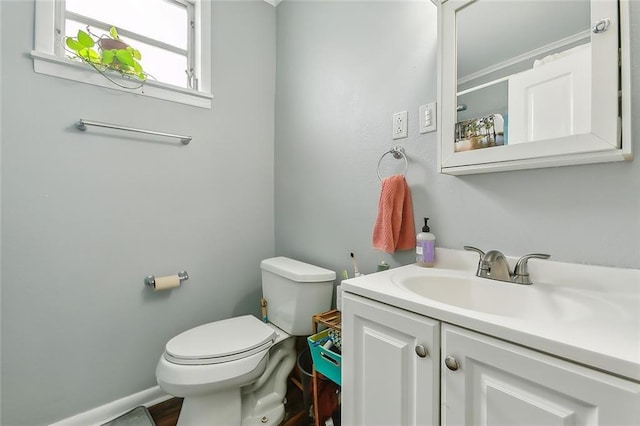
356	271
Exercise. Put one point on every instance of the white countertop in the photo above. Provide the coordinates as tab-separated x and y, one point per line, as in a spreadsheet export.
602	330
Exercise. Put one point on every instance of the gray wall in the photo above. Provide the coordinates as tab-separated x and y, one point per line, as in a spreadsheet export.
343	70
86	216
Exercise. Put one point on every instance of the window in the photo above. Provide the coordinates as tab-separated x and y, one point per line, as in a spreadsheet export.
173	36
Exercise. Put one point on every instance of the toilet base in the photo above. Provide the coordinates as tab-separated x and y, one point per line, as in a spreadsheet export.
219	409
261	402
224	409
272	417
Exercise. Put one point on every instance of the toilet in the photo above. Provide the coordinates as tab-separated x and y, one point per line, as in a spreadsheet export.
234	371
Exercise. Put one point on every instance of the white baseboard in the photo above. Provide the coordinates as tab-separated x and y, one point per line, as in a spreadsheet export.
104	413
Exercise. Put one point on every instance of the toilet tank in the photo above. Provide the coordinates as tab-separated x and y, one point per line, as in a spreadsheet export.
295	291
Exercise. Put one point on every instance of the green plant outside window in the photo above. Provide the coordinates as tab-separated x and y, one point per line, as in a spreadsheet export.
106	52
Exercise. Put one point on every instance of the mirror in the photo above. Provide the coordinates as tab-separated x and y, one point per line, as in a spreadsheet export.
488	61
531	83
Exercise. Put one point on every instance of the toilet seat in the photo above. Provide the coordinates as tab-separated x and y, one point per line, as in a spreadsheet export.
220	341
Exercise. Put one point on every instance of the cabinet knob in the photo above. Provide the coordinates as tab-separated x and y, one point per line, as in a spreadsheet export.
601	26
451	363
421	351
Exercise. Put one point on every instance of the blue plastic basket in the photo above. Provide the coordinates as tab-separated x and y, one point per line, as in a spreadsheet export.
327	362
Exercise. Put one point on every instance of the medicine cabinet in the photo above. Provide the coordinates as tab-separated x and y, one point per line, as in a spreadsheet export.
528	84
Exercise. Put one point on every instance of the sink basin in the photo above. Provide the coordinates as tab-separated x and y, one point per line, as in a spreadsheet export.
539	301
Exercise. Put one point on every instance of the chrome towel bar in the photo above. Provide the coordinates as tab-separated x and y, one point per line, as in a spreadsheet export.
398	153
82	125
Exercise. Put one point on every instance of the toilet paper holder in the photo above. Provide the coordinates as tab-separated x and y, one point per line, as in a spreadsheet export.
150	280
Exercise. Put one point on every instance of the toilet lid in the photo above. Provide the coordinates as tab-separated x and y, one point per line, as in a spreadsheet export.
220	341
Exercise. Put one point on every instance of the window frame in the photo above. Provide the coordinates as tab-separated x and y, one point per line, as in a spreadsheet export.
49	13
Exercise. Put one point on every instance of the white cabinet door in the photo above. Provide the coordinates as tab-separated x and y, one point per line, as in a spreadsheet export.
553	100
556	143
498	383
390	361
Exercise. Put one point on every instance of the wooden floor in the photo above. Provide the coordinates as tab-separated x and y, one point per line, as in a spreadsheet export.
166	413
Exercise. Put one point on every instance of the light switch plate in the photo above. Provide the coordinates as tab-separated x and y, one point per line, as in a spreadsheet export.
399	126
427	114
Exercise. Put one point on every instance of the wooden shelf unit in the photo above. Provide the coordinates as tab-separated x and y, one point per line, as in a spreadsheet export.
330	319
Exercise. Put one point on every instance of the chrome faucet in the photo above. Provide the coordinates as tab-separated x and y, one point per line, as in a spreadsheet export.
494	265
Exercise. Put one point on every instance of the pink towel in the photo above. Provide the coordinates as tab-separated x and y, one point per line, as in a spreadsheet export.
394	228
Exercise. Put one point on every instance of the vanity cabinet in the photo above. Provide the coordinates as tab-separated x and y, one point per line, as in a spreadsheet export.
492	382
476	379
391	373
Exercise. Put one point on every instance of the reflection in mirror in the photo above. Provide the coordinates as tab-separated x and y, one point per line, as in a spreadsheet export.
523	71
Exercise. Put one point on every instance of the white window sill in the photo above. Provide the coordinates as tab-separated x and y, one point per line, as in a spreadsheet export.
44	63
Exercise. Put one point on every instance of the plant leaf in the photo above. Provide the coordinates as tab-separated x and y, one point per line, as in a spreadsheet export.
124	57
73	44
136	54
114	33
137	67
93	56
107	57
84	53
89	55
85	39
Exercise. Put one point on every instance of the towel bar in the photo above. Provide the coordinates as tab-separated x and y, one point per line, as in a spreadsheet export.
82	125
398	153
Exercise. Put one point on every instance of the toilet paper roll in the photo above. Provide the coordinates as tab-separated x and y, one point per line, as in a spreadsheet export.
166	283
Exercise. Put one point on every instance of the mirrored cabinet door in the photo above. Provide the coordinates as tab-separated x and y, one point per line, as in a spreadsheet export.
527	84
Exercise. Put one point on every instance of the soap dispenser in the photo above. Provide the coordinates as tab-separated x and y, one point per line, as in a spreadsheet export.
425	246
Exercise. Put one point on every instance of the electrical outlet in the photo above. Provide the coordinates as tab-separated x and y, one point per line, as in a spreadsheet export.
427	114
399	125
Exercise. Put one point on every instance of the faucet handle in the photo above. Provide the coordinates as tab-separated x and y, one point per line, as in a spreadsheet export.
521	271
480	252
477	250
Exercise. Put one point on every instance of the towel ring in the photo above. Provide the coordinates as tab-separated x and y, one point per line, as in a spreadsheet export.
398	153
